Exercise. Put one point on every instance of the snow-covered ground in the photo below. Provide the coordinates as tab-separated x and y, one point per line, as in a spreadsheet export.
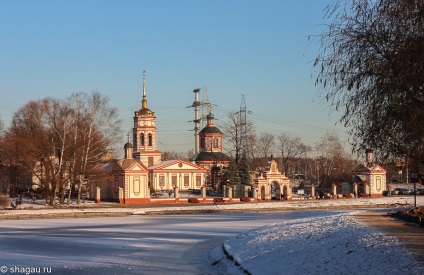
323	245
333	244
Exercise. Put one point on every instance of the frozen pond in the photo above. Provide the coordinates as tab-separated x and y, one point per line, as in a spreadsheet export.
176	244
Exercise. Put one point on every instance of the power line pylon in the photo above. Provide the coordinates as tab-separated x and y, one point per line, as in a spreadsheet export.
196	105
206	106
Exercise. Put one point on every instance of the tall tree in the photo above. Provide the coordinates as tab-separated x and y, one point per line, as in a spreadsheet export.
333	162
237	135
266	144
371	67
168	155
2	147
34	145
240	145
291	149
96	128
62	142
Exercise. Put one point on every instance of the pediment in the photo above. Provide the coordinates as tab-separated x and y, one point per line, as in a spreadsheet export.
361	169
378	169
136	167
272	168
375	169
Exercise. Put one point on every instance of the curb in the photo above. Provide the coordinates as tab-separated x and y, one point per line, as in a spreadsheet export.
179	211
231	258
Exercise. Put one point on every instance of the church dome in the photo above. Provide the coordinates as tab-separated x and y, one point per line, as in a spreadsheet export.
145	112
212	156
210	126
210	130
128	145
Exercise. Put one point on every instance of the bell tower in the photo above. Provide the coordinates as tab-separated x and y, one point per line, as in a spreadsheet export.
210	136
144	133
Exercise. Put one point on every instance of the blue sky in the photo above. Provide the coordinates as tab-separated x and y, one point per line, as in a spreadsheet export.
256	48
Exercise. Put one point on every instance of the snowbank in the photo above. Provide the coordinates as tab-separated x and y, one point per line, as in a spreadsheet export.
324	245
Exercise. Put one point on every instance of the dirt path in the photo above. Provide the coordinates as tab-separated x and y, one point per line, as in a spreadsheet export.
410	234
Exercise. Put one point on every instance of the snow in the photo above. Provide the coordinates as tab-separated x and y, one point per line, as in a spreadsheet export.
320	244
38	208
323	245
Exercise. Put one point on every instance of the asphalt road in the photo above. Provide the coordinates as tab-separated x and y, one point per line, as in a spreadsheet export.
411	234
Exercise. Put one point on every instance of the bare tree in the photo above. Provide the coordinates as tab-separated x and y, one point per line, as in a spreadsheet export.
333	162
237	135
292	149
172	155
1	126
2	147
261	148
240	145
371	67
62	142
96	127
265	144
58	121
33	145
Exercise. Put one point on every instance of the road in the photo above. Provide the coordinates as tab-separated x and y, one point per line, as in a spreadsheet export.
176	244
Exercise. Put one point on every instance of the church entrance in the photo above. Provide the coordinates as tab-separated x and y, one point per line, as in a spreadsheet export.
285	192
263	193
275	190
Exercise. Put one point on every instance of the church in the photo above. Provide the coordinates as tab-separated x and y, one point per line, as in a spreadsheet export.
142	171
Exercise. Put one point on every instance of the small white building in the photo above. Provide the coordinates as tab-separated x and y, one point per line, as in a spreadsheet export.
272	181
125	181
369	178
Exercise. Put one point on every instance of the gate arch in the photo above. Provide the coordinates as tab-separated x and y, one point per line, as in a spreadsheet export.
270	184
275	190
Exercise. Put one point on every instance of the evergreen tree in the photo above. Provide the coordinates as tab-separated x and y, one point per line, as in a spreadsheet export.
244	170
233	175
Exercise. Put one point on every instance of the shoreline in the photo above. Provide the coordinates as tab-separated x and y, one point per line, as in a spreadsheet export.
114	210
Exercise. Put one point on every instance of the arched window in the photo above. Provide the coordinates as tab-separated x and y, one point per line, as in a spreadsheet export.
135	140
202	143
215	142
150	140
141	139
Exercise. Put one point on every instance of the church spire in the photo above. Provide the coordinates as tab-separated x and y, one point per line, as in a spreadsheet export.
144	100
144	111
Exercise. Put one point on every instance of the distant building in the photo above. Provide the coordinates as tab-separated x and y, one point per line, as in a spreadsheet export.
144	134
132	179
211	156
272	184
370	178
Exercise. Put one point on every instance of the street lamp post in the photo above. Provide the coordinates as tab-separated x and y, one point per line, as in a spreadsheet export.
415	194
414	178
